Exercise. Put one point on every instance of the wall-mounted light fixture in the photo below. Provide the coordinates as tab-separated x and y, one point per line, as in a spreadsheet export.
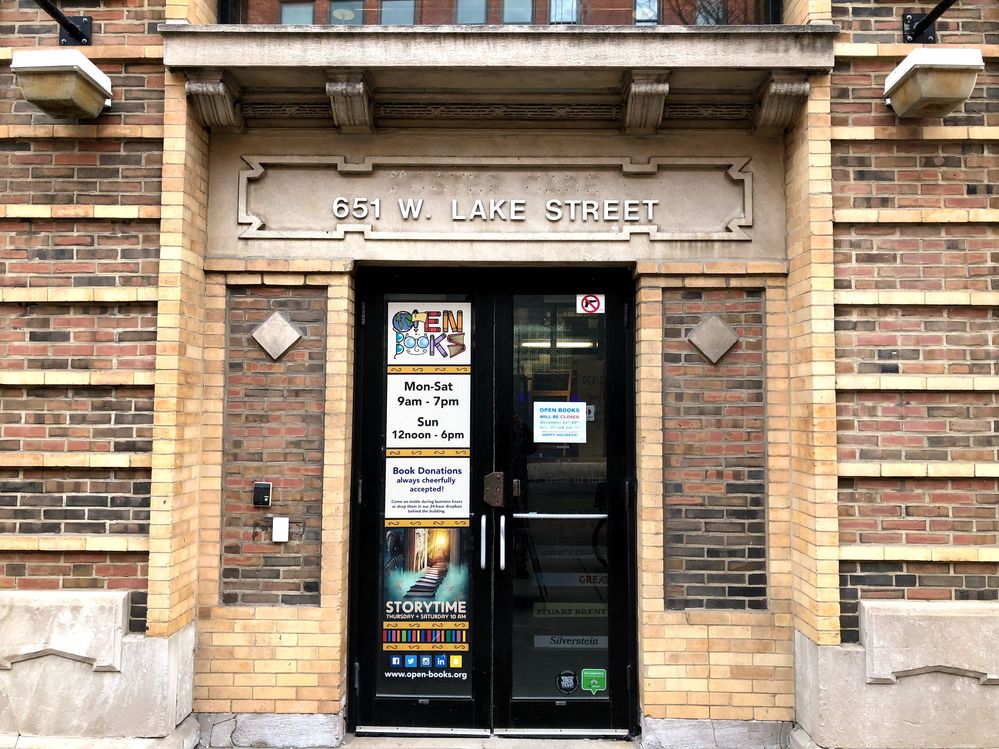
63	83
933	82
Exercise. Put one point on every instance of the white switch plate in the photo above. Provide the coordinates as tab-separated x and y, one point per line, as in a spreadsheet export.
279	530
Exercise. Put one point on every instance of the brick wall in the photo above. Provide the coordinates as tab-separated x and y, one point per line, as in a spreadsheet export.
76	419
911	581
78	313
916	271
929	426
915	174
273	432
74	501
91	172
116	22
955	512
80	254
924	257
65	570
917	340
714	474
878	21
77	336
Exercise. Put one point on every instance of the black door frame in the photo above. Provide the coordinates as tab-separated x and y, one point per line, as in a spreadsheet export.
482	285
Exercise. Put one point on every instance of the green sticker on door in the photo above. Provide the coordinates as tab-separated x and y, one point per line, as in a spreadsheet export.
594	680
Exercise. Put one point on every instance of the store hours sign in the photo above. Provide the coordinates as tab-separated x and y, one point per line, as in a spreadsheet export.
428	410
427	544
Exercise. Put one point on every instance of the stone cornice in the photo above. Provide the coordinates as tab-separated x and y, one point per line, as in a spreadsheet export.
537	47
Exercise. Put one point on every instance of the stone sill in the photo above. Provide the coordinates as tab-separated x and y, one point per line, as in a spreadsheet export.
82	378
897	382
914	553
917	298
871	49
76	460
73	542
916	469
75	294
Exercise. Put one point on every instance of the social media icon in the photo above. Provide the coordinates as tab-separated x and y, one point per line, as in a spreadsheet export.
455	661
425	661
395	661
440	661
410	661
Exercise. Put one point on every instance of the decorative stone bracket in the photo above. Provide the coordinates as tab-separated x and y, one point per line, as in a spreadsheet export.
216	98
645	95
778	102
350	99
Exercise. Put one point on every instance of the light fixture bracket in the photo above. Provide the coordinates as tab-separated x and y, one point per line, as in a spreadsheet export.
74	31
86	26
909	23
919	28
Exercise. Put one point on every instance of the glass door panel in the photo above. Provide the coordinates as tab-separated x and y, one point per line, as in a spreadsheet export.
560	628
559	501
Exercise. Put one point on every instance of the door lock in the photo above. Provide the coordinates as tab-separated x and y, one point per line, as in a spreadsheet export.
492	490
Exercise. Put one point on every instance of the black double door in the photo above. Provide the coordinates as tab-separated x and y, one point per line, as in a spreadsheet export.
492	562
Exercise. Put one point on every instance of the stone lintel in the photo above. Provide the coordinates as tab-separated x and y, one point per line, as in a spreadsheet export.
645	96
779	100
216	98
764	47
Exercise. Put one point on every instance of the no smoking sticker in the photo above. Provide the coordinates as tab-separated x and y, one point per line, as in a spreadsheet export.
589	304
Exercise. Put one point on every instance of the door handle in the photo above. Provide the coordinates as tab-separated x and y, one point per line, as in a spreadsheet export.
492	489
502	542
482	542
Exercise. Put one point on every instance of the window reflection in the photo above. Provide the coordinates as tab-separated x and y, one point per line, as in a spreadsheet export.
347	12
296	13
471	11
517	11
398	12
711	13
646	12
563	11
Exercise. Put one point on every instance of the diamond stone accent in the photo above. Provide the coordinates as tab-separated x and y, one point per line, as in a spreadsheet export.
276	335
713	337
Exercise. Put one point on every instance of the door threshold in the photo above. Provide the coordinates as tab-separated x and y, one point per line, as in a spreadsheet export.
569	733
387	737
418	731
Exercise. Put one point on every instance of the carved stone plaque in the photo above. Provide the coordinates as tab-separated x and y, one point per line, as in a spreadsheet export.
447	199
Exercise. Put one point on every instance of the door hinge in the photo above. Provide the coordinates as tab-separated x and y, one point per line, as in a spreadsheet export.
360	492
363	313
357	679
